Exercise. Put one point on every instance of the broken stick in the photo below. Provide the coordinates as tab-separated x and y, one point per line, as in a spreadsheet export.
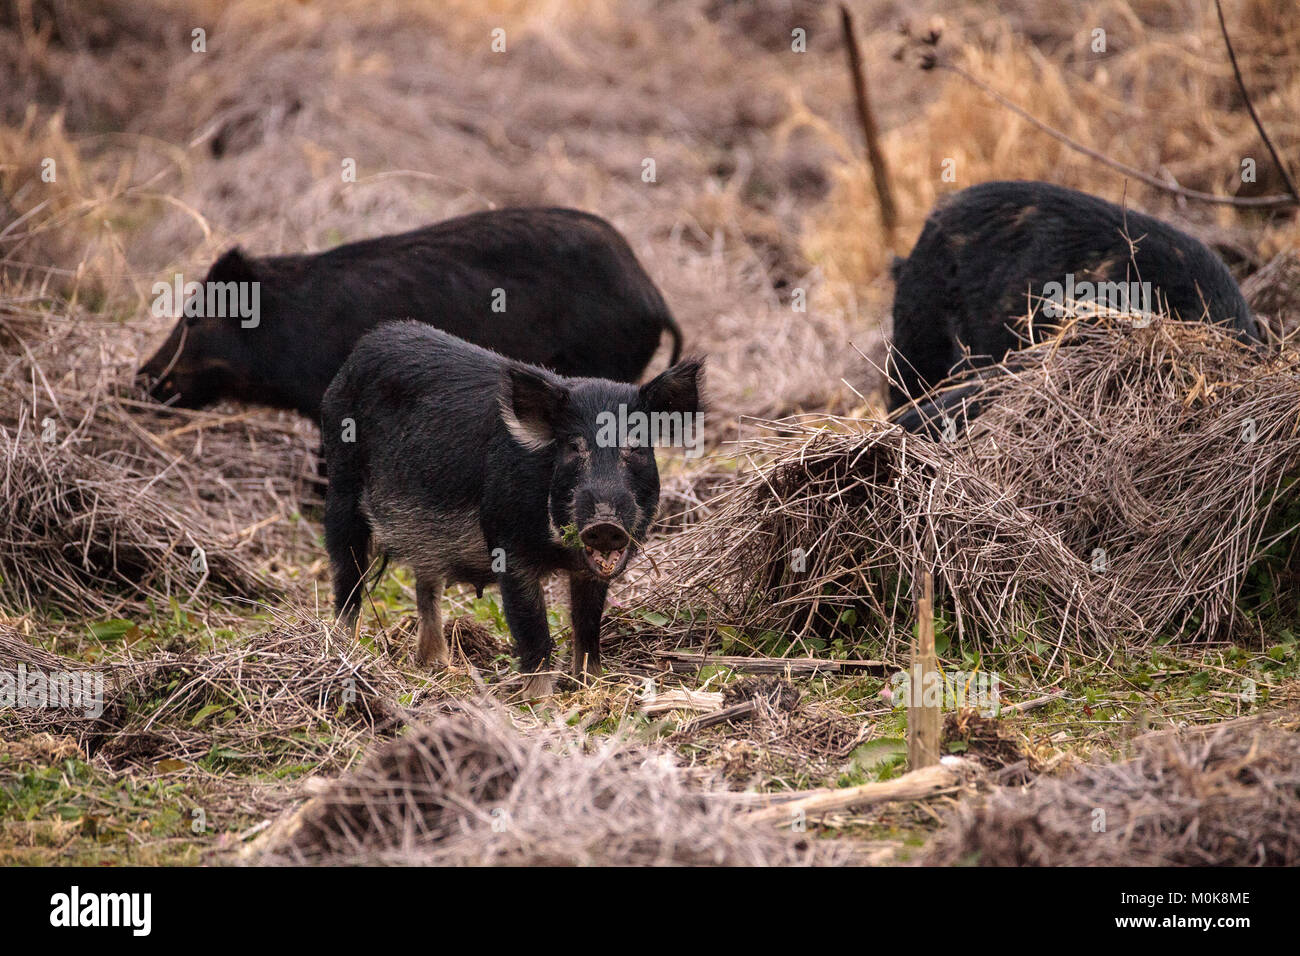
916	785
923	715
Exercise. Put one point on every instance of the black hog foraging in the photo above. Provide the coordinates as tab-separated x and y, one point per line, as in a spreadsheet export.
989	253
553	287
473	468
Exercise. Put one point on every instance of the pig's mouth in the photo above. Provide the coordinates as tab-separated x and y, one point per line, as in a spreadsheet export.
606	564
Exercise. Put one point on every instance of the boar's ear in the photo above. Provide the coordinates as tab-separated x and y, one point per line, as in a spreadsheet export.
676	389
233	266
531	406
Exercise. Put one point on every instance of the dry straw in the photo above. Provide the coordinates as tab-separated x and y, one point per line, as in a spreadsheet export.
293	694
467	788
1227	795
1118	485
108	502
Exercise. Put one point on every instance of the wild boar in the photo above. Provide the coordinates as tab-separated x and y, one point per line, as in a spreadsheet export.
552	287
469	467
986	252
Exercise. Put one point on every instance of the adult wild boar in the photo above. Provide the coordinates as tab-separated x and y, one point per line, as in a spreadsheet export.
987	252
553	287
473	468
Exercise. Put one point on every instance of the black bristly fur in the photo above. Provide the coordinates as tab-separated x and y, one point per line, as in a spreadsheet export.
985	249
576	301
437	479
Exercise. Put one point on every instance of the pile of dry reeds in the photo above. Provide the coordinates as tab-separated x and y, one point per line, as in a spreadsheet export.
1120	483
824	537
468	788
296	693
1165	457
1274	296
1213	796
107	501
684	497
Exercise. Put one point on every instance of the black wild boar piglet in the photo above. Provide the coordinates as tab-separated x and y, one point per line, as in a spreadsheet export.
553	287
469	467
985	250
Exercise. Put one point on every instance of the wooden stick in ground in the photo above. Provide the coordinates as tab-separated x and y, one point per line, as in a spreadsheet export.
743	709
916	785
876	156
701	700
923	713
1025	706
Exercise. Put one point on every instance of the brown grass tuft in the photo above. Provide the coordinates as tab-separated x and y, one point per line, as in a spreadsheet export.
1226	795
468	788
110	502
296	693
1171	451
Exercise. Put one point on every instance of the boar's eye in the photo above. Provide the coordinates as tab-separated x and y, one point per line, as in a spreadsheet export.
575	445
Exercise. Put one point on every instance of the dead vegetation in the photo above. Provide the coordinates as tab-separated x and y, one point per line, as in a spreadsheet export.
1162	70
1274	296
766	727
761	200
290	694
1119	484
467	788
110	503
1222	795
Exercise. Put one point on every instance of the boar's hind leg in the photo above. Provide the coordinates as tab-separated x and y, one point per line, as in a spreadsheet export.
433	644
587	604
347	538
525	608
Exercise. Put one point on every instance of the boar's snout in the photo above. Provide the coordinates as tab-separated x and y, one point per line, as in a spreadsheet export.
159	389
606	547
174	389
175	378
162	375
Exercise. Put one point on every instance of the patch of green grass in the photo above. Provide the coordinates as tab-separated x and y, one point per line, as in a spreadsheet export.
71	813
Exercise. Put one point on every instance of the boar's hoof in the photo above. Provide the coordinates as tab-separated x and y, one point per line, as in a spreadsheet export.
539	685
433	652
585	669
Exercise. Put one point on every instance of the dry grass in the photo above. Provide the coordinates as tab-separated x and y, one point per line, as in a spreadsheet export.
109	503
1161	98
291	695
1174	449
1274	296
467	788
1224	795
834	518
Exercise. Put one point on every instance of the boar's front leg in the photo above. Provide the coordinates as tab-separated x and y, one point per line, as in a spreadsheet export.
586	605
521	596
428	601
